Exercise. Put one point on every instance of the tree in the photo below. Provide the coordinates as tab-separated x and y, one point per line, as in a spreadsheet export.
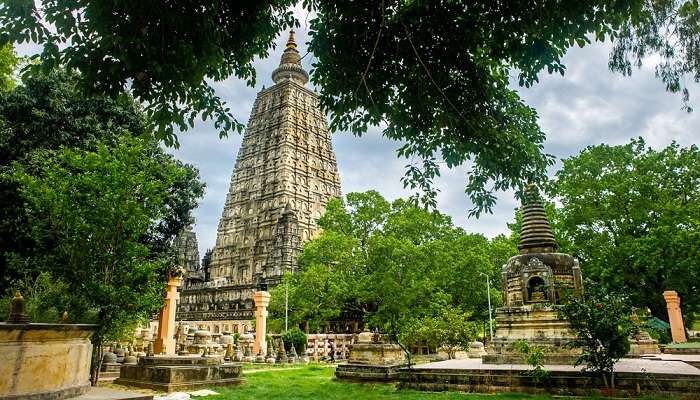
393	264
8	65
452	330
165	52
47	112
443	89
602	323
89	211
631	215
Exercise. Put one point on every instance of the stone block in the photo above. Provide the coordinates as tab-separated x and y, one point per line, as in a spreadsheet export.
44	361
171	374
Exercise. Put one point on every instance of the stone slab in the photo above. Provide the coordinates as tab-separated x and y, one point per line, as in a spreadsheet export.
633	377
180	387
692	359
102	393
624	365
367	373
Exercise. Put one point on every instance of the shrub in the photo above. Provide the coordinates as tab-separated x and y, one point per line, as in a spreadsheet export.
297	337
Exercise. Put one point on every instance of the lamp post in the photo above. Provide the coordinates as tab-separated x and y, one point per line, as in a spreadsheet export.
286	305
488	294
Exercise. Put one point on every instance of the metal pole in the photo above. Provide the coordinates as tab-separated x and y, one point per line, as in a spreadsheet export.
286	306
488	292
488	295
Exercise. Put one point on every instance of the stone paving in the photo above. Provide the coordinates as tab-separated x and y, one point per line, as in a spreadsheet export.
625	365
103	393
674	357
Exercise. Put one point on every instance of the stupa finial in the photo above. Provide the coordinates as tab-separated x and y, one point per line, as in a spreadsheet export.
535	233
291	42
290	64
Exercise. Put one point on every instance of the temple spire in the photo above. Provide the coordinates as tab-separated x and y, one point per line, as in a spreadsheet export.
535	233
291	42
290	64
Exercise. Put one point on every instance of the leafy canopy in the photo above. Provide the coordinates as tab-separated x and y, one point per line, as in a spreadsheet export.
166	53
435	74
48	112
631	214
394	266
90	210
8	64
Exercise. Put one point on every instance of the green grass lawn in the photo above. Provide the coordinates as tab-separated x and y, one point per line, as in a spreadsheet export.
318	382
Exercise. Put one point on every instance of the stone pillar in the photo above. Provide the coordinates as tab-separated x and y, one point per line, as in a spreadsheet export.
262	300
165	340
675	318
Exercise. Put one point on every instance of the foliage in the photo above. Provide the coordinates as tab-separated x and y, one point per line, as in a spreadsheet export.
297	338
41	297
90	211
534	357
602	322
392	265
442	89
8	65
631	214
452	330
49	111
166	53
668	29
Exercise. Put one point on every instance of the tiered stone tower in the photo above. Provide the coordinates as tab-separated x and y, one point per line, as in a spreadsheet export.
285	174
533	286
187	251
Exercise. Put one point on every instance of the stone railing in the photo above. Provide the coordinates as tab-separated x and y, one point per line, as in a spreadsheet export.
319	345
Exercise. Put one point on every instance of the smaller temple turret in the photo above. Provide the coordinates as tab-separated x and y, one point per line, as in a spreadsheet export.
288	241
533	285
187	250
536	234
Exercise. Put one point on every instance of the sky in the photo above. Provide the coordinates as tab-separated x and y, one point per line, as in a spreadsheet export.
588	106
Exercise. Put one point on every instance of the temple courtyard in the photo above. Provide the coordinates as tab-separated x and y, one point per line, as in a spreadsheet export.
317	381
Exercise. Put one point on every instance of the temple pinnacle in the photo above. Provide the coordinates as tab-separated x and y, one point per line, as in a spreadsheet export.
291	42
536	233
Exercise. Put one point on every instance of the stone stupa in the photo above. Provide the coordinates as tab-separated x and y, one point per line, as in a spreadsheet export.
533	286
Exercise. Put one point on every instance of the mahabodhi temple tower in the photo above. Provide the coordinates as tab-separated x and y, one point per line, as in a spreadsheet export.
284	176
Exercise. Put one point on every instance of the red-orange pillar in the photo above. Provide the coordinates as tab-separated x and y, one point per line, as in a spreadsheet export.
675	317
165	340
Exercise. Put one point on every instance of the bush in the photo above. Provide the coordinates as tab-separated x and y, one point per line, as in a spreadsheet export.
602	322
297	337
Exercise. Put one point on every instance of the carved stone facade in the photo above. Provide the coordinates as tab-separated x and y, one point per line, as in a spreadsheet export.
285	174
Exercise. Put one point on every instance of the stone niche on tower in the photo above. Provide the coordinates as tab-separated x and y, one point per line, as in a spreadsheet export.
533	287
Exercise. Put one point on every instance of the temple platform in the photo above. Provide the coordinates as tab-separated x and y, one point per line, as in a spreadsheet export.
633	377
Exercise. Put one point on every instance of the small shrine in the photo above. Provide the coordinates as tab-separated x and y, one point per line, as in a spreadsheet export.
533	286
371	359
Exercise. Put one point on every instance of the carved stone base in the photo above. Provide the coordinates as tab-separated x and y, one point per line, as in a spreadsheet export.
173	373
538	325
